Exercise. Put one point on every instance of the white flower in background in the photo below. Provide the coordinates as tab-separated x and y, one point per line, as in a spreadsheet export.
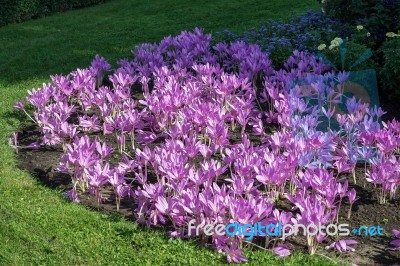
321	46
392	34
335	43
338	40
360	27
368	34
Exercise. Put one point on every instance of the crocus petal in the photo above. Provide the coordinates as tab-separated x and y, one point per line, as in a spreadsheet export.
282	250
396	233
395	243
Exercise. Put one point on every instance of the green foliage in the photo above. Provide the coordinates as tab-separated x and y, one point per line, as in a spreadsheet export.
355	56
377	16
280	54
20	10
379	19
362	36
390	72
17	10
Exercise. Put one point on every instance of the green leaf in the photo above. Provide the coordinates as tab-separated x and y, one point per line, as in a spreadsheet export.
367	54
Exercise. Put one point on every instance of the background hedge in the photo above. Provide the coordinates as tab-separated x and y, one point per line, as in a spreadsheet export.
14	11
377	16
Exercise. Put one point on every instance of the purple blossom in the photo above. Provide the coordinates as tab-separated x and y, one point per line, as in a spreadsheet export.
343	245
282	250
234	254
395	243
19	105
73	195
13	141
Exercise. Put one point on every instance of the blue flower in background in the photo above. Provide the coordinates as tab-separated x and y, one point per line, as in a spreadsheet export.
301	33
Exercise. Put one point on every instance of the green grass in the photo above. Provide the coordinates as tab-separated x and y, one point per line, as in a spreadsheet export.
37	225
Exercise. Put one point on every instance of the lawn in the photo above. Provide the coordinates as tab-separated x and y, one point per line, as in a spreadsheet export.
37	225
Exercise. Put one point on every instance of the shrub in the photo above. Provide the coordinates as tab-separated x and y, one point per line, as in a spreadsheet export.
17	10
390	72
377	16
14	11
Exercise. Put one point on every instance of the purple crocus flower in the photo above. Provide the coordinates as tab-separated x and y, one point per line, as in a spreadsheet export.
234	254
352	198
19	105
13	141
73	195
343	245
282	250
395	243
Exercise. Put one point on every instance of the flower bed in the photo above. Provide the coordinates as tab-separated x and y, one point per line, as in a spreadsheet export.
189	131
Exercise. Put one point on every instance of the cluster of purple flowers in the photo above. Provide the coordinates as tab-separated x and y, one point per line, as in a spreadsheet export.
395	243
181	148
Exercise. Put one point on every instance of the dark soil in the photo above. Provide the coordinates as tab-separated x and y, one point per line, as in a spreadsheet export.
41	163
391	107
366	211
